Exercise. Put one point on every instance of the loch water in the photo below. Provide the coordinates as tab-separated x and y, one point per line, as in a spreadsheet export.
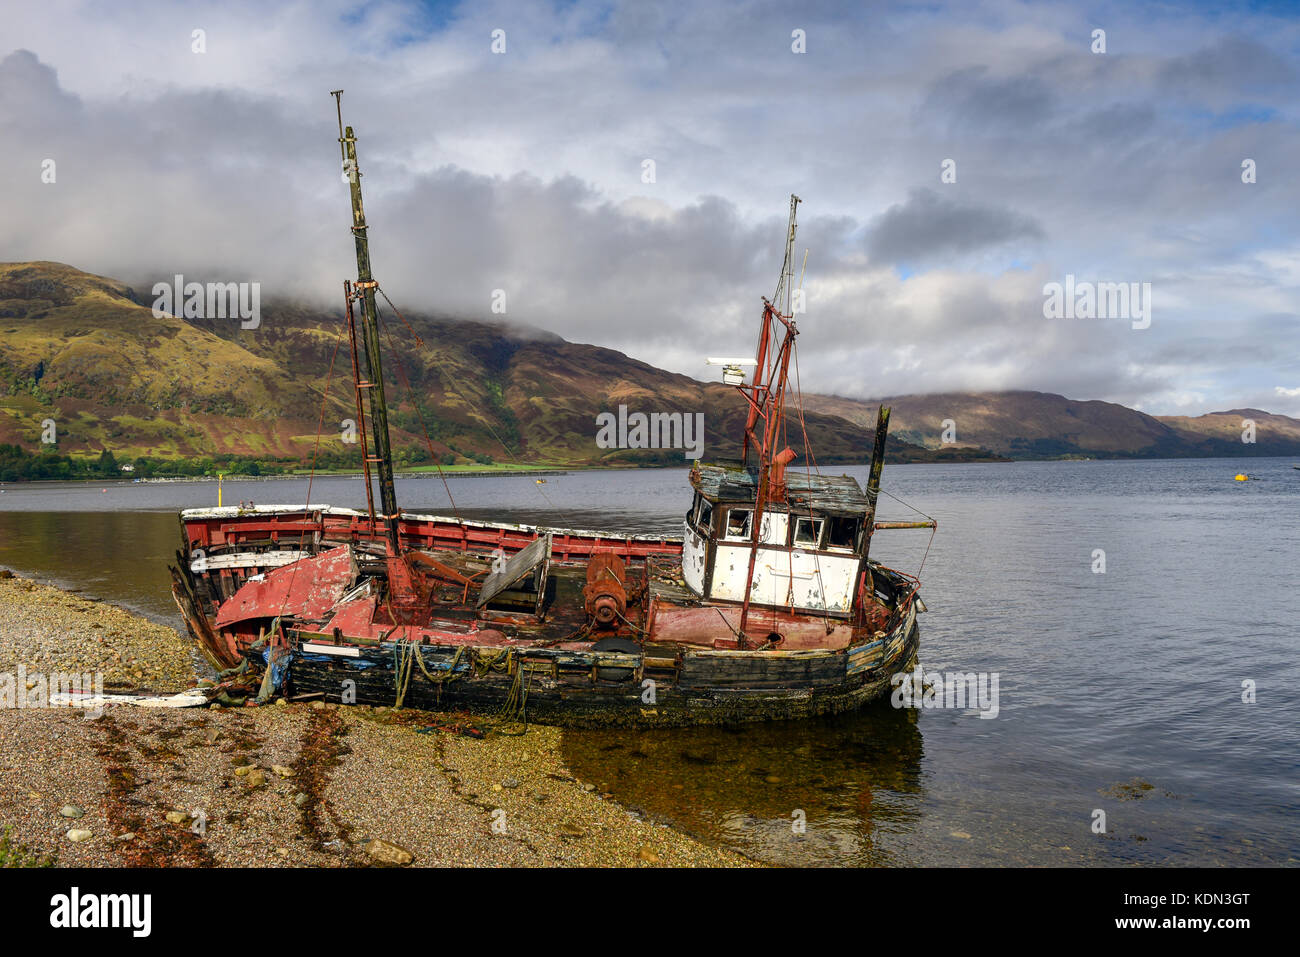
1125	691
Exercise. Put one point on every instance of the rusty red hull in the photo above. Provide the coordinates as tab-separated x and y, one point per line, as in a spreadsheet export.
614	617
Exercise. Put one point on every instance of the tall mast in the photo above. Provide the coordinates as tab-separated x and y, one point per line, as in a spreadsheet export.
766	397
364	290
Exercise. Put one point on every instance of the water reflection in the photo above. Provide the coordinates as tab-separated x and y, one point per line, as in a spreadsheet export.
121	557
855	778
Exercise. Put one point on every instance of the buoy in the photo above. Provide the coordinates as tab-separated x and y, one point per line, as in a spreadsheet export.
1242	477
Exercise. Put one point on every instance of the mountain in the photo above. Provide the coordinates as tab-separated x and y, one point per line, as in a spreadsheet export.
1274	434
88	353
1029	425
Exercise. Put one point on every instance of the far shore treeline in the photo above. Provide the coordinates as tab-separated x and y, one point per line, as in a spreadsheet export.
18	465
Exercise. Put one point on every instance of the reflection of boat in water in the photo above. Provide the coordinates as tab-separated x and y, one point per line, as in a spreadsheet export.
855	780
767	607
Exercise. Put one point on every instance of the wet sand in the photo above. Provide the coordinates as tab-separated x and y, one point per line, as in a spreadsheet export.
282	785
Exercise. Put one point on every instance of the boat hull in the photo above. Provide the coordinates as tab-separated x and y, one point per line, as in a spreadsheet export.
662	684
590	690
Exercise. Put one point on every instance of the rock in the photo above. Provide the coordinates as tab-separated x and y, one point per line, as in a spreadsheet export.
300	799
571	830
510	783
128	836
647	855
589	787
772	779
496	787
281	770
385	852
281	702
256	778
78	834
71	810
959	834
243	771
318	705
177	817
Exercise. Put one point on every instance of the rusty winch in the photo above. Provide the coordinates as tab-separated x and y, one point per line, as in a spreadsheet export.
606	592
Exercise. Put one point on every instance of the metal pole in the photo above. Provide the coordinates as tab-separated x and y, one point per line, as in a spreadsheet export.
365	286
873	482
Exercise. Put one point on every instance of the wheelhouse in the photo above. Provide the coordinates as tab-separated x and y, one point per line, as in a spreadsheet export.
809	548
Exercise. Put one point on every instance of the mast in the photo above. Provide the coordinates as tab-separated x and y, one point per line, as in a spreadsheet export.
873	480
364	291
766	397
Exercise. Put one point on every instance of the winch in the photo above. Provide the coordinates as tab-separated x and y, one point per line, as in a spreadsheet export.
605	592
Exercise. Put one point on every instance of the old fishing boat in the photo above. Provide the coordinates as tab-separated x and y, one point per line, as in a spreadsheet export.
768	606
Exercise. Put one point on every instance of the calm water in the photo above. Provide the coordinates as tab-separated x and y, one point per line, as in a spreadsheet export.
1118	691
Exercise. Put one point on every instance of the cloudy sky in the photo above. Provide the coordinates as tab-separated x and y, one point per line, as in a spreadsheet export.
525	170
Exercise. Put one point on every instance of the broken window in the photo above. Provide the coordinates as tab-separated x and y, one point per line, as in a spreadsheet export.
842	532
808	532
739	522
704	516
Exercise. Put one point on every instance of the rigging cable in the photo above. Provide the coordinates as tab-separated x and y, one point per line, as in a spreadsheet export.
510	455
320	423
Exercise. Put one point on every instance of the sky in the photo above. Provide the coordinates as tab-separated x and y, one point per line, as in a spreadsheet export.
954	160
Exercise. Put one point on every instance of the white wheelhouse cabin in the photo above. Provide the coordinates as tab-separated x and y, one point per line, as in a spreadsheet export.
809	549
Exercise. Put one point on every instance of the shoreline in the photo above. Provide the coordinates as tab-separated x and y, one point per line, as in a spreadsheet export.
550	470
288	784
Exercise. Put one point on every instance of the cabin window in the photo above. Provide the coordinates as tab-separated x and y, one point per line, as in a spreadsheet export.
704	516
842	532
808	532
739	522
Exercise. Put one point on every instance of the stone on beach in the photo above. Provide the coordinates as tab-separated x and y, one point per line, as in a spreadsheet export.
385	852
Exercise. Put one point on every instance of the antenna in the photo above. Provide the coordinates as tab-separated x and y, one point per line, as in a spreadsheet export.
787	265
338	102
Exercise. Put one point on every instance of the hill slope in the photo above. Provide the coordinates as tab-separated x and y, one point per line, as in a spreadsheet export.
87	352
1043	425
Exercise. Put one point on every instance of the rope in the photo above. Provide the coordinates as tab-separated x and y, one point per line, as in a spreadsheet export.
407	649
501	442
320	422
406	384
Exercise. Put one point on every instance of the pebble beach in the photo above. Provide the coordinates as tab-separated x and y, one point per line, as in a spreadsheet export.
288	784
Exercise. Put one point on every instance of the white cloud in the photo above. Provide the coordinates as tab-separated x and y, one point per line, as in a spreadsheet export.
523	172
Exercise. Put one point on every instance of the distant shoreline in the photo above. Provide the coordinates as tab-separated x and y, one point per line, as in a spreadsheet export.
541	471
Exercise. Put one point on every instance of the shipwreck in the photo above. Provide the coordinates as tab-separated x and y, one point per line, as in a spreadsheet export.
767	606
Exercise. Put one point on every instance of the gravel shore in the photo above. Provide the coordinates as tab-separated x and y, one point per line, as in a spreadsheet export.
282	785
